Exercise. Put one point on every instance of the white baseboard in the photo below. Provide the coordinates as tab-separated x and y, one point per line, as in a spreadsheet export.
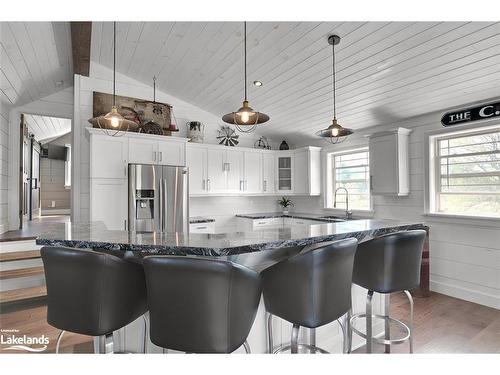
56	211
470	295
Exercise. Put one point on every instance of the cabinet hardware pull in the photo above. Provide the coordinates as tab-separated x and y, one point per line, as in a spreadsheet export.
200	227
154	155
208	184
371	182
203	184
161	155
265	185
125	224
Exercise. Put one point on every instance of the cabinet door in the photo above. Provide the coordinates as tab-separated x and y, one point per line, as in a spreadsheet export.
143	151
171	153
268	183
109	202
383	165
108	157
235	178
301	175
197	169
253	172
216	178
285	174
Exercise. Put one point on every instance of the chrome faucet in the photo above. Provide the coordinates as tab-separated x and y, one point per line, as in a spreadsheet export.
348	214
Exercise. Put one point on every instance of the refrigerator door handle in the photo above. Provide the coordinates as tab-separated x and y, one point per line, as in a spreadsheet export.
164	182
160	208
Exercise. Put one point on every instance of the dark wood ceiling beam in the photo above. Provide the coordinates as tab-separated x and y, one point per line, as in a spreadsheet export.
80	44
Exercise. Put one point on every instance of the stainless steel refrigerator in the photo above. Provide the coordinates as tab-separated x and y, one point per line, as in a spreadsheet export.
158	198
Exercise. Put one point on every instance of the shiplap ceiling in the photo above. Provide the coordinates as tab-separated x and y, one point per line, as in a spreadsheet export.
35	59
385	71
47	128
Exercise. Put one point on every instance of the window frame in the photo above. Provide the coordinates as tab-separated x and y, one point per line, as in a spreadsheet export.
433	174
330	181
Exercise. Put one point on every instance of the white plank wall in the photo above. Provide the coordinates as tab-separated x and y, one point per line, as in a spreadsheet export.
100	80
464	253
4	160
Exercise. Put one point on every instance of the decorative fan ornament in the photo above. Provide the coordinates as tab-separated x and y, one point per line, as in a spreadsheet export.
227	136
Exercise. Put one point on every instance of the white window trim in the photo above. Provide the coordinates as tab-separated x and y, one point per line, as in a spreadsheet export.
328	188
430	172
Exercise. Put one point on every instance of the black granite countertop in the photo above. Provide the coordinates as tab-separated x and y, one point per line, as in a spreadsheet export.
294	215
200	219
95	235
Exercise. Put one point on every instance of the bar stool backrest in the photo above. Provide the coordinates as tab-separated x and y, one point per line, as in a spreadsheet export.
391	262
312	288
92	293
200	305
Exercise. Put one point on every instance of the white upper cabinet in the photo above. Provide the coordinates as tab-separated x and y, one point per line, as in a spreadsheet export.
252	178
234	171
268	173
285	172
108	156
162	151
220	170
389	162
197	162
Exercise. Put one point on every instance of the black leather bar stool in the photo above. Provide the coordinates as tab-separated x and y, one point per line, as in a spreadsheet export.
310	289
388	264
92	293
200	305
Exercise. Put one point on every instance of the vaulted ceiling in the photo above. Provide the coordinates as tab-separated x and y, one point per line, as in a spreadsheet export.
35	60
385	70
46	128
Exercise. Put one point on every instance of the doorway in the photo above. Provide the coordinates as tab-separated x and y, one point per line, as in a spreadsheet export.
45	170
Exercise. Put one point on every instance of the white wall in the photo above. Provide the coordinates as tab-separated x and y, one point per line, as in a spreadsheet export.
4	160
464	253
59	104
100	79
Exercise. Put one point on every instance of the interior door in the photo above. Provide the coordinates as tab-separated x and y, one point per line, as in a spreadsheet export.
35	181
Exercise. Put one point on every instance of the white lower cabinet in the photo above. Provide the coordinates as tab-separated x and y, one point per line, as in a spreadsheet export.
202	227
246	224
109	202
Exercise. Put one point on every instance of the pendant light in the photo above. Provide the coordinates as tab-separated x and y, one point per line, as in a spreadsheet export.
112	123
335	133
245	118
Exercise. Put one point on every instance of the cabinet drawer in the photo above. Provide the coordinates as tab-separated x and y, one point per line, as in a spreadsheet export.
202	227
259	223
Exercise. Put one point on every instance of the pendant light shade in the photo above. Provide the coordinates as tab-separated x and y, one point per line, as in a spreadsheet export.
245	118
112	123
335	133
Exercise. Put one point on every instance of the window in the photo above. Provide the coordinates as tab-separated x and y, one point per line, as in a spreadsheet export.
349	170
467	173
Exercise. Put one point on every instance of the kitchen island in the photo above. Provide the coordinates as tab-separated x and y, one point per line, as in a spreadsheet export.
254	249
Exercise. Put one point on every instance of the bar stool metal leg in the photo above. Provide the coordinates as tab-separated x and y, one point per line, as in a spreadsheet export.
369	321
270	343
411	320
145	337
312	337
295	338
349	331
247	347
387	329
103	342
343	322
58	342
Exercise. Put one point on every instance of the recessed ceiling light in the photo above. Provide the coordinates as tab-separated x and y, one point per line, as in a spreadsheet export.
257	83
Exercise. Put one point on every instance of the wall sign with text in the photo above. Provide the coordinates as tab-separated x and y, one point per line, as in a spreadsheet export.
482	112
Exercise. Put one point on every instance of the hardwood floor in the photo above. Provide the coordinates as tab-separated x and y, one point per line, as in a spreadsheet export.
442	325
445	324
33	228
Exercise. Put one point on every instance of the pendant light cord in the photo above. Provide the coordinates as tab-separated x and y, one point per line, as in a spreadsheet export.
154	89
114	64
245	42
333	71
